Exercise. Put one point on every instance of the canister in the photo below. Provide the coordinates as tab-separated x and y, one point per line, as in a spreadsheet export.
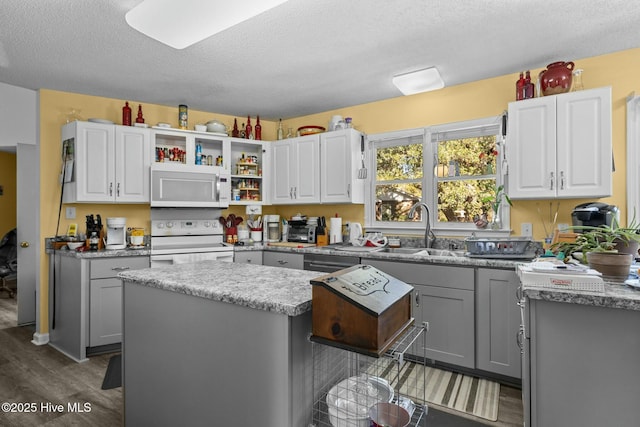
183	116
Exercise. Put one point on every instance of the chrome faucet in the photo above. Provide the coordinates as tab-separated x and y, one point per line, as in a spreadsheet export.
428	234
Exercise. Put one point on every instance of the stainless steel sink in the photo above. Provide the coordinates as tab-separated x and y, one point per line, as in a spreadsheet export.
424	251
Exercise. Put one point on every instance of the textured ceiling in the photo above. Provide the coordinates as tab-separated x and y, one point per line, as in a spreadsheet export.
305	56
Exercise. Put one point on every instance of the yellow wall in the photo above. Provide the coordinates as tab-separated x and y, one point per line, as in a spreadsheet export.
8	198
478	99
490	97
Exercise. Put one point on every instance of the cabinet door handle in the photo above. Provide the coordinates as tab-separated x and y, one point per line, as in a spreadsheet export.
417	299
519	337
120	268
561	180
111	188
349	190
118	190
295	192
519	294
291	192
282	262
551	181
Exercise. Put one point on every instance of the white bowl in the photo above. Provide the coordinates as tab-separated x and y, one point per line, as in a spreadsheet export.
200	128
136	240
216	126
349	401
74	245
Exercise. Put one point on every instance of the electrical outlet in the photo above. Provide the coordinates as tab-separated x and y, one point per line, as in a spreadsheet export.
70	213
526	229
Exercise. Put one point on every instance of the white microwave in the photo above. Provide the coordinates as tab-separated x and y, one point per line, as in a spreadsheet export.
190	186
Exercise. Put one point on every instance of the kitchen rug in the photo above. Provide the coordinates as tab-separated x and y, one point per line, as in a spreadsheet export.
113	376
464	393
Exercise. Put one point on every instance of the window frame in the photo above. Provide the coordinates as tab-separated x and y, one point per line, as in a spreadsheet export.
429	184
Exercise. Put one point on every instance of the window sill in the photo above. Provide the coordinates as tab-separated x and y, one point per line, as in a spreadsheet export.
440	231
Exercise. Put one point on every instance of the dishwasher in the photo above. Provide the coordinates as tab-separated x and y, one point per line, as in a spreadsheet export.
328	263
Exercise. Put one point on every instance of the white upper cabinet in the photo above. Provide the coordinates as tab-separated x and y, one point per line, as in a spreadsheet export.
560	146
296	170
110	163
339	163
132	164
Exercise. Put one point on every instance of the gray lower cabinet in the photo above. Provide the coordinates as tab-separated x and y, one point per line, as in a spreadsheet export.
85	298
283	259
497	322
444	297
105	298
583	365
248	257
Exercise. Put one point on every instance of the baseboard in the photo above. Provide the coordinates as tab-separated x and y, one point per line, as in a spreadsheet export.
40	339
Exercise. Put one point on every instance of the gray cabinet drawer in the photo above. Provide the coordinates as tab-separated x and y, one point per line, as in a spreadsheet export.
110	267
248	257
281	259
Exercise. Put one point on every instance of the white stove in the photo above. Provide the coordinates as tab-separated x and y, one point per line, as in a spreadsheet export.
187	235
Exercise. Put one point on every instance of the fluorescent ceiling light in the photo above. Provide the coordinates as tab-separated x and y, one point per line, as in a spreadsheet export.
418	81
181	23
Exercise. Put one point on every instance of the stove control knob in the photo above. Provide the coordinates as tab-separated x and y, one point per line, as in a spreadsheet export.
161	225
169	224
207	224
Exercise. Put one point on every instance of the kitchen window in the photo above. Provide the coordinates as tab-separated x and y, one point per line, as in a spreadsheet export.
453	168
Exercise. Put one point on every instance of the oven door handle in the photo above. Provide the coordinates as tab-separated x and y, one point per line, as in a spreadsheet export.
217	187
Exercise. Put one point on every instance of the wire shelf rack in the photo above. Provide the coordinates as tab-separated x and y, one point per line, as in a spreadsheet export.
346	384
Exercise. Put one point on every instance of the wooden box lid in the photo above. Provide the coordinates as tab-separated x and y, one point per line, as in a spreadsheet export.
366	287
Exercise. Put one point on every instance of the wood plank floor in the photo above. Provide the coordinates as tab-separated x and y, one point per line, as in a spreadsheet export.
41	375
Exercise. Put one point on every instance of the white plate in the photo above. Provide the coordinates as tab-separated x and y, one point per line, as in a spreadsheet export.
634	283
103	121
164	125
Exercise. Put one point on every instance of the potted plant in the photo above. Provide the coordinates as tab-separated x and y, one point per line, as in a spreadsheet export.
494	201
605	248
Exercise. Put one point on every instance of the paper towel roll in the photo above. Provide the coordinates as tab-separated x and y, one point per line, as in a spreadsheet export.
335	230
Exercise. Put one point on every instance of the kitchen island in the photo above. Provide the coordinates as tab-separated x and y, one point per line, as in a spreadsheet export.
581	353
217	344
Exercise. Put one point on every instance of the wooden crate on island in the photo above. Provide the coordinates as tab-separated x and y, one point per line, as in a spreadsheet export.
360	309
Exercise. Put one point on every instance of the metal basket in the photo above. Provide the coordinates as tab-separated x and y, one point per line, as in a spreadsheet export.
496	246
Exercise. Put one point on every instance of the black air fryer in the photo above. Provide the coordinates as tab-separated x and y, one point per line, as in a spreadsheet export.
594	214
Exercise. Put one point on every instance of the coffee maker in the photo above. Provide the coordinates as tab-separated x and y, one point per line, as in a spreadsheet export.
116	233
594	214
271	228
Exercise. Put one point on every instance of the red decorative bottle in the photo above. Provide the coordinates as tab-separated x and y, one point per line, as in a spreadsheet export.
140	119
520	88
248	130
235	132
529	91
258	129
126	115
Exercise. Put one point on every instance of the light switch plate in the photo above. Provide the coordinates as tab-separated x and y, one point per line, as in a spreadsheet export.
526	229
70	213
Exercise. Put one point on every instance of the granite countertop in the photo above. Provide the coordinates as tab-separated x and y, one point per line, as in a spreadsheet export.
280	290
425	259
614	296
102	253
